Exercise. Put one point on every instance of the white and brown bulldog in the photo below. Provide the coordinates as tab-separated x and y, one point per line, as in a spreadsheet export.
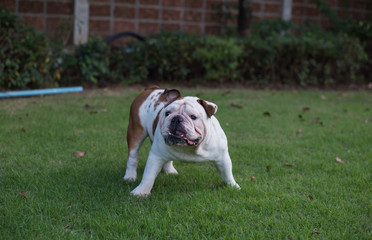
180	128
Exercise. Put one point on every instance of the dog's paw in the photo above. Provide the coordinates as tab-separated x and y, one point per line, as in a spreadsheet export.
170	171
236	186
138	192
130	177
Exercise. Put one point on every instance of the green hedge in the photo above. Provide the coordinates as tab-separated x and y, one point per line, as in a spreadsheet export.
276	52
26	56
310	58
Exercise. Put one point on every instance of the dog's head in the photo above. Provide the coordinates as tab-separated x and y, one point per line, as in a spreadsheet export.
184	122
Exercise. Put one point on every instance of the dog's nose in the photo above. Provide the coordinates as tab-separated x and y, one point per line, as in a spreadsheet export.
177	119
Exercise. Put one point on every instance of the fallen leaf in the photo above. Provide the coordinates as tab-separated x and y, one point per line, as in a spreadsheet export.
268	168
104	110
79	154
323	97
310	198
235	106
339	160
23	129
316	231
23	194
267	114
253	179
315	121
298	132
305	109
287	164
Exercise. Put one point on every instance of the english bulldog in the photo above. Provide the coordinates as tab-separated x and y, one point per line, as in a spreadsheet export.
180	128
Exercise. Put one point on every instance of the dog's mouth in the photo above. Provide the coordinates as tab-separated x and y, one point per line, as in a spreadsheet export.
178	138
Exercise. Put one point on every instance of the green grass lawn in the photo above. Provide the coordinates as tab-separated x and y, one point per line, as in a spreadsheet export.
287	140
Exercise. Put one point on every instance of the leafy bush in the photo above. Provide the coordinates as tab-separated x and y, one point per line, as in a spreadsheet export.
26	58
291	56
302	57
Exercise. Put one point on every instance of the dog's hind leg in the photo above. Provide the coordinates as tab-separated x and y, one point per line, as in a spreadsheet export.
169	169
136	134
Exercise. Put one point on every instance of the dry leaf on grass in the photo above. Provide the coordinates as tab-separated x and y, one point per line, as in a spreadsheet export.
305	109
298	132
253	179
310	198
267	114
288	165
316	231
315	121
268	168
79	154
236	106
339	160
23	129
23	194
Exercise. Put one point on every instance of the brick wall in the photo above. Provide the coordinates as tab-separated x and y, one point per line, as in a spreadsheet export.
151	16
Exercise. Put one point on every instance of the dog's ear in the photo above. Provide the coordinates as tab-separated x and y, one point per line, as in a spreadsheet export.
209	107
171	95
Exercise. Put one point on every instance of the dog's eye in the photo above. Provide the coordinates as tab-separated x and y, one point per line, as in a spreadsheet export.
167	113
193	117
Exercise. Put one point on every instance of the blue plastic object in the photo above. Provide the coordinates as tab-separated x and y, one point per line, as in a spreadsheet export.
37	92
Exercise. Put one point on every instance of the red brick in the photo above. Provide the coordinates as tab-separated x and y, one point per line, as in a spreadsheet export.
193	3
124	12
212	30
297	20
312	12
171	15
99	1
99	10
256	7
192	16
298	11
196	29
37	22
170	27
8	4
212	17
148	13
271	8
54	23
148	28
325	23
126	1
99	26
172	3
31	7
331	3
212	4
149	2
60	8
124	26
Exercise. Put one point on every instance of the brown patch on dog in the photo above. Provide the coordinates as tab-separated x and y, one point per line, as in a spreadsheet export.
209	109
136	132
155	123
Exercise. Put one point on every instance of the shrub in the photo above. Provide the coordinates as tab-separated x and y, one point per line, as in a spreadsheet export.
305	56
26	57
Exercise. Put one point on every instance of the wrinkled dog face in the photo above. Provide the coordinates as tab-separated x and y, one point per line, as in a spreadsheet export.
183	122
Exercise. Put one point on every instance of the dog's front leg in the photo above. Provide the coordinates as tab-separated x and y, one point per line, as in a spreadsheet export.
224	167
152	169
